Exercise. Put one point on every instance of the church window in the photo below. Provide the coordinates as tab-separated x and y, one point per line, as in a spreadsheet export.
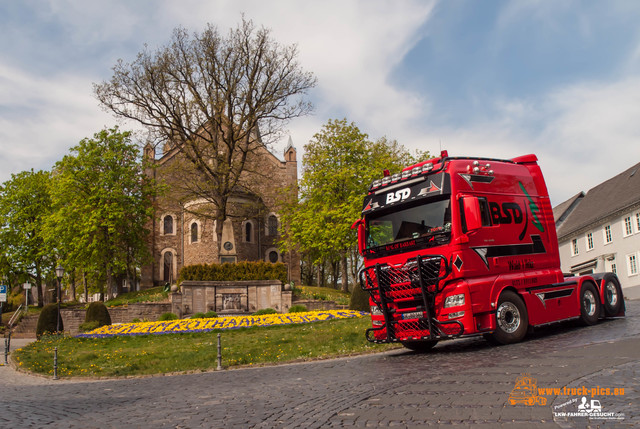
247	231
272	225
168	224
194	232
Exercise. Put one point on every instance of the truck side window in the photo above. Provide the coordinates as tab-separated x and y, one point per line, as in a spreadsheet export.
484	211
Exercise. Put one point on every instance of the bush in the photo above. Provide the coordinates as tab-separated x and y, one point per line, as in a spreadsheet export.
167	316
136	320
264	311
89	326
198	315
210	315
97	312
297	309
359	300
247	270
48	320
14	300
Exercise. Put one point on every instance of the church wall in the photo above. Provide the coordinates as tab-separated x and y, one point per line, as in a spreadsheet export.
275	175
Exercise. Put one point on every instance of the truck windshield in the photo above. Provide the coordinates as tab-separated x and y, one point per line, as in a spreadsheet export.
424	220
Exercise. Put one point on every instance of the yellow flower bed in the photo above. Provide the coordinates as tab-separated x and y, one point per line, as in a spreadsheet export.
204	325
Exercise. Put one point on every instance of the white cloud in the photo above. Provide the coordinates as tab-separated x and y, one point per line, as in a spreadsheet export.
43	117
583	134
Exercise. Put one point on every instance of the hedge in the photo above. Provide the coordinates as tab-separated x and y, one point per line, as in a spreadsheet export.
247	270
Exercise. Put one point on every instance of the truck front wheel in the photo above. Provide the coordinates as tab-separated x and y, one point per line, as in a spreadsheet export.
420	346
512	320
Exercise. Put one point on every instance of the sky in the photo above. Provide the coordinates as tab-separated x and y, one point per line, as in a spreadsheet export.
490	78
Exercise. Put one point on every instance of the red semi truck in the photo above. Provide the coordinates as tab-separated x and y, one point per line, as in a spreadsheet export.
458	246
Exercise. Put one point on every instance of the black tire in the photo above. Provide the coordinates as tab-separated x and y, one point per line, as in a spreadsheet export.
512	320
612	296
589	304
420	346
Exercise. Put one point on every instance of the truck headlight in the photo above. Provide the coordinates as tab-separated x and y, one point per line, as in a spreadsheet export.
454	300
375	311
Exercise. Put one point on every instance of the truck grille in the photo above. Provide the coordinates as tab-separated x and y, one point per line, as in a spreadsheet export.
408	290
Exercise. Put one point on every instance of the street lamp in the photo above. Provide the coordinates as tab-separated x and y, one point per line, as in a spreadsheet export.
59	274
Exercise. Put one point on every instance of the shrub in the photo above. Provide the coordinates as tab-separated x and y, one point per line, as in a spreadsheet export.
210	315
359	300
264	311
135	320
246	270
198	315
97	312
297	309
167	316
89	326
48	320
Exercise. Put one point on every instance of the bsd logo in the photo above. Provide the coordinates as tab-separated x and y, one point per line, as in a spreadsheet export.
402	194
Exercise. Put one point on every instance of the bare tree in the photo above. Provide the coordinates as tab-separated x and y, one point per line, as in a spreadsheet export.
216	99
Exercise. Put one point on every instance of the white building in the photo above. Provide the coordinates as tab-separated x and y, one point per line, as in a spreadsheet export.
600	231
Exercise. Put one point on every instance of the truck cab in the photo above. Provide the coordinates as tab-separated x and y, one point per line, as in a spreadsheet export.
459	246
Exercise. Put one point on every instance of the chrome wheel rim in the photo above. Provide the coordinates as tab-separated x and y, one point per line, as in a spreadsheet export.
589	303
508	317
612	293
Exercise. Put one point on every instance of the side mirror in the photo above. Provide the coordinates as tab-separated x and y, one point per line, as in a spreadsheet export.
472	215
359	224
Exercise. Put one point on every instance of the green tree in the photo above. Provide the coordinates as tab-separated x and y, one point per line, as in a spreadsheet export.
215	98
101	202
25	204
339	164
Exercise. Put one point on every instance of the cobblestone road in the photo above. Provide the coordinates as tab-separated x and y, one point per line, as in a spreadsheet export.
465	382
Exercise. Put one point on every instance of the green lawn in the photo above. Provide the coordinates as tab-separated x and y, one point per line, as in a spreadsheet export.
156	354
324	294
156	294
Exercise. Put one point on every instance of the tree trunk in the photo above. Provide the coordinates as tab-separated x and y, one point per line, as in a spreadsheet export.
86	288
345	274
355	267
73	285
109	284
335	269
38	286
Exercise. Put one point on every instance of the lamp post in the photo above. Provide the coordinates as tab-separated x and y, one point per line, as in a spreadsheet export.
59	274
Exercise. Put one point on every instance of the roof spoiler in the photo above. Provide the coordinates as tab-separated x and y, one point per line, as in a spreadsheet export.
525	159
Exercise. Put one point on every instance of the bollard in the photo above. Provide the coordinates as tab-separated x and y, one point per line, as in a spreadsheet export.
6	351
55	363
219	353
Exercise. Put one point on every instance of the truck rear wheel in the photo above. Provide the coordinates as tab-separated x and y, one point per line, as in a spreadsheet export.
420	346
512	320
589	304
612	296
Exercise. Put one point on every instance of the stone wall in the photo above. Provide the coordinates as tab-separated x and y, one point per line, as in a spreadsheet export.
73	318
231	297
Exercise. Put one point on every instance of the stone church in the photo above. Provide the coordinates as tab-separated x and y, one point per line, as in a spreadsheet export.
183	230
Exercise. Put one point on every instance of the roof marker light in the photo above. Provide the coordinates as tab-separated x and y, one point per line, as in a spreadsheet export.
427	167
